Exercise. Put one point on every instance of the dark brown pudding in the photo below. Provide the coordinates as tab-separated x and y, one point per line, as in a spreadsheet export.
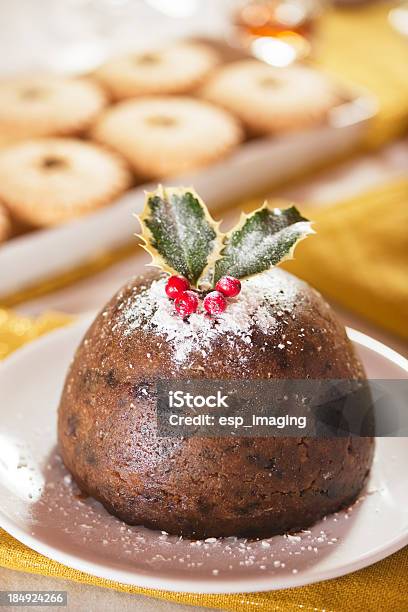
203	487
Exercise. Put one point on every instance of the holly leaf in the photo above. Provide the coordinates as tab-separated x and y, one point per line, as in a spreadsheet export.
261	240
179	233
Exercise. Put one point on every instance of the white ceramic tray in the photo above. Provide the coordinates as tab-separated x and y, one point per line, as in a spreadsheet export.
40	507
254	167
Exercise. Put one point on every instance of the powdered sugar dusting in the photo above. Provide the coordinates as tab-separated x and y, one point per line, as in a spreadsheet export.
262	297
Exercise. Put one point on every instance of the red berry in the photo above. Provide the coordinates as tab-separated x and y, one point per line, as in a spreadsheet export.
215	303
176	285
229	286
186	303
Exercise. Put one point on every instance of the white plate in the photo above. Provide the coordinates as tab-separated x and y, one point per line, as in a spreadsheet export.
39	505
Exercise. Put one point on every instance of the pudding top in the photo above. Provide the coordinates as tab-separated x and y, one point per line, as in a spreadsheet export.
263	304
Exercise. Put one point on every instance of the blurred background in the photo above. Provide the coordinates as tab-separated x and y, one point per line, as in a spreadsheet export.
346	167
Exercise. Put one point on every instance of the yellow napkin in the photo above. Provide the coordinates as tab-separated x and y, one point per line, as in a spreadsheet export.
359	45
381	587
359	255
16	330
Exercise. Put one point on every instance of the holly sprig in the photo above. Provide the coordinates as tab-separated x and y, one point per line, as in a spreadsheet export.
260	241
182	237
179	233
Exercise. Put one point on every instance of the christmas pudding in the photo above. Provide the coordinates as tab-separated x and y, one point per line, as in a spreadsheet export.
217	309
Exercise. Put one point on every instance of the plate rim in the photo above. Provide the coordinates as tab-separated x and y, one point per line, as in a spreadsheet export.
194	585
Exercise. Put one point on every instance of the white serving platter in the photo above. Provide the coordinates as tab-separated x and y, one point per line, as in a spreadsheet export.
255	167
